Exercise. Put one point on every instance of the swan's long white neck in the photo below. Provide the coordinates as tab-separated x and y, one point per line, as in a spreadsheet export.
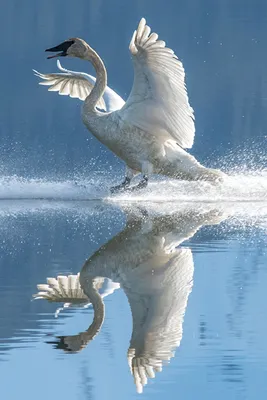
101	80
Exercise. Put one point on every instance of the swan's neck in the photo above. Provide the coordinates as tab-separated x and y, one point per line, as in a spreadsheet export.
88	286
78	342
101	80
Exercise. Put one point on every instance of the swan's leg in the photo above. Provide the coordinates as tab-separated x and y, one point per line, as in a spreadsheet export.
142	184
125	184
147	169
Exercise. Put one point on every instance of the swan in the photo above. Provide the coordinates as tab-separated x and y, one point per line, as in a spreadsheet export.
157	277
150	131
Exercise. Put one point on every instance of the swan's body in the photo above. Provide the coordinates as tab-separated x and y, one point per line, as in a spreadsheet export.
157	278
152	129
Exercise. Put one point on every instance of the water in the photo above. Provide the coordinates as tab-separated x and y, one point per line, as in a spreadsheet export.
191	273
179	269
243	186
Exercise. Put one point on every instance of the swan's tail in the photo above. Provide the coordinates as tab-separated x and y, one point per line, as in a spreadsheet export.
211	175
182	165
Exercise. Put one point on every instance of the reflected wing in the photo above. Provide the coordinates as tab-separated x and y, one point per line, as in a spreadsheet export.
79	85
158	315
158	102
65	289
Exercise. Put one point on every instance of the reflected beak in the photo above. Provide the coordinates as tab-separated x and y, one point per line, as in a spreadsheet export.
62	48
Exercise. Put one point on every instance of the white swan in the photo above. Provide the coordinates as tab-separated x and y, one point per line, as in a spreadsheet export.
156	276
155	124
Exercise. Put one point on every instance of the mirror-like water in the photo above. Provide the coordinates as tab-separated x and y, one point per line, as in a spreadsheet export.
138	297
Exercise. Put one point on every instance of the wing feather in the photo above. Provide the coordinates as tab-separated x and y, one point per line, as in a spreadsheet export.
158	102
79	85
69	84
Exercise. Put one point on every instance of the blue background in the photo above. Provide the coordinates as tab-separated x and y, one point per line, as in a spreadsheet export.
222	44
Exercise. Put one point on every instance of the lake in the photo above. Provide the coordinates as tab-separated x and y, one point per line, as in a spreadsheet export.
182	297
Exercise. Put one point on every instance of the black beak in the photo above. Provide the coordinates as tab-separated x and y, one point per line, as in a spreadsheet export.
62	48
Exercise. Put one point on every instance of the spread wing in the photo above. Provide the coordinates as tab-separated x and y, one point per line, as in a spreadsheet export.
79	85
158	312
158	102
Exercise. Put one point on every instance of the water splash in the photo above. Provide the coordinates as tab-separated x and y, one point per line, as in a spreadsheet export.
246	158
18	188
241	187
251	186
245	166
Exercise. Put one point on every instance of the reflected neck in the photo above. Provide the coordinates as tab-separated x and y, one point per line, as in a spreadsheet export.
88	286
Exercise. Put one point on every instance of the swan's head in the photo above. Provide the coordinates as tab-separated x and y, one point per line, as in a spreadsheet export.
73	47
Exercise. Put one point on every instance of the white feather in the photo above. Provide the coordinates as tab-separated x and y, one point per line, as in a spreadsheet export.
79	85
67	289
158	102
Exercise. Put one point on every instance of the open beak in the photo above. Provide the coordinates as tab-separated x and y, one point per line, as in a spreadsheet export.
56	55
62	48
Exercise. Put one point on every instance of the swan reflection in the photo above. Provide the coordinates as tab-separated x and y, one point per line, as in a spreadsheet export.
156	276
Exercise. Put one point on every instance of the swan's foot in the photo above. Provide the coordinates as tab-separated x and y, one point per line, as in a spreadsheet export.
141	185
123	186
